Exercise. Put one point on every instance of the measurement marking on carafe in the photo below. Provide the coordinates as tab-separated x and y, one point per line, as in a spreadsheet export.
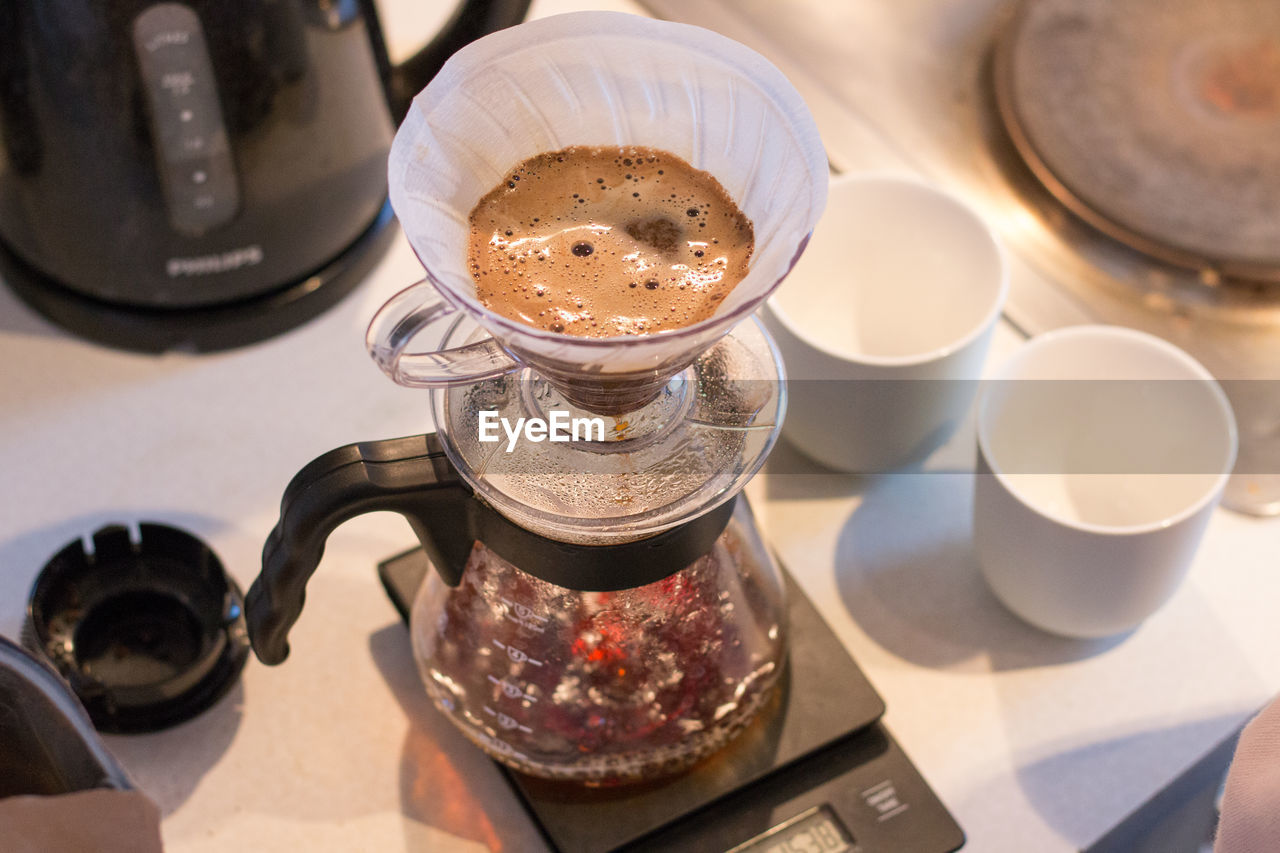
506	721
500	746
516	655
523	616
512	691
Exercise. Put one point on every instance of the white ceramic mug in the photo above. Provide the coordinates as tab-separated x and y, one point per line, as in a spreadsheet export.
884	323
1102	454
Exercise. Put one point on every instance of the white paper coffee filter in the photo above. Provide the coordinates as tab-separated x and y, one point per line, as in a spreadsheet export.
604	78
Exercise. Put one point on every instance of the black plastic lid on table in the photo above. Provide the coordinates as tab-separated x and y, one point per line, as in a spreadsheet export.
149	632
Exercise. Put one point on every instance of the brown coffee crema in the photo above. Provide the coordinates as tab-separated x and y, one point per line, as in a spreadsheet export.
602	241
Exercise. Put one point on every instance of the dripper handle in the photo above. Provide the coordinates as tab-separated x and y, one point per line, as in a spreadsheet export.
412	311
411	476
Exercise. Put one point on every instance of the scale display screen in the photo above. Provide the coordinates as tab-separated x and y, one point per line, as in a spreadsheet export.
817	830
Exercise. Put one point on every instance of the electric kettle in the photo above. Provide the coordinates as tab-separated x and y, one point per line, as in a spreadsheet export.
201	174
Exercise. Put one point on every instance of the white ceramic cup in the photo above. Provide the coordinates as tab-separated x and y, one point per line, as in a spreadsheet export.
884	323
1102	452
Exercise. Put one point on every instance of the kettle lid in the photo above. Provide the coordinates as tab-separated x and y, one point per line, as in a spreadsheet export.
146	626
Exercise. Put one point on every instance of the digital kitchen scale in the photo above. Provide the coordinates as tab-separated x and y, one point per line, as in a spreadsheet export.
816	772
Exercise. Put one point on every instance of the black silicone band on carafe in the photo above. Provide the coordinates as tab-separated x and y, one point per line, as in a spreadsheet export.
601	568
413	476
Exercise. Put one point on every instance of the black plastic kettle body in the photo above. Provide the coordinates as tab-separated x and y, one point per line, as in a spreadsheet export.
162	162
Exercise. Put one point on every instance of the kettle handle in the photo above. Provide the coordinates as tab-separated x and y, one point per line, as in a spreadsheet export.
411	476
471	20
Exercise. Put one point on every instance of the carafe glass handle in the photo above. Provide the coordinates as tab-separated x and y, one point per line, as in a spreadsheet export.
403	318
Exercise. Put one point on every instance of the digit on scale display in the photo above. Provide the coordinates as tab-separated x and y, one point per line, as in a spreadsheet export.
816	831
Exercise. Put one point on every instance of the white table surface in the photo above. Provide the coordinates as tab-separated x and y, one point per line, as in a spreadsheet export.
1034	742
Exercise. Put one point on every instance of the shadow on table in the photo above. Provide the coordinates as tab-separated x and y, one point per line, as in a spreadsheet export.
447	782
794	476
908	575
907	572
1081	807
46	363
169	765
17	316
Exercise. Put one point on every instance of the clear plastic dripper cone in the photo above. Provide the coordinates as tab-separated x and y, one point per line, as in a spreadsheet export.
602	79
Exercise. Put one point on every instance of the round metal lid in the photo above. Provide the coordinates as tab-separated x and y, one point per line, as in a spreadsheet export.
1157	121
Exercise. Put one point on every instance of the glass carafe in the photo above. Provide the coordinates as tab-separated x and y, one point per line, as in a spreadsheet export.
624	640
604	687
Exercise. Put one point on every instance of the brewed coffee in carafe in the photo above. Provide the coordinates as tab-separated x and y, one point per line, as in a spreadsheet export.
602	687
602	609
